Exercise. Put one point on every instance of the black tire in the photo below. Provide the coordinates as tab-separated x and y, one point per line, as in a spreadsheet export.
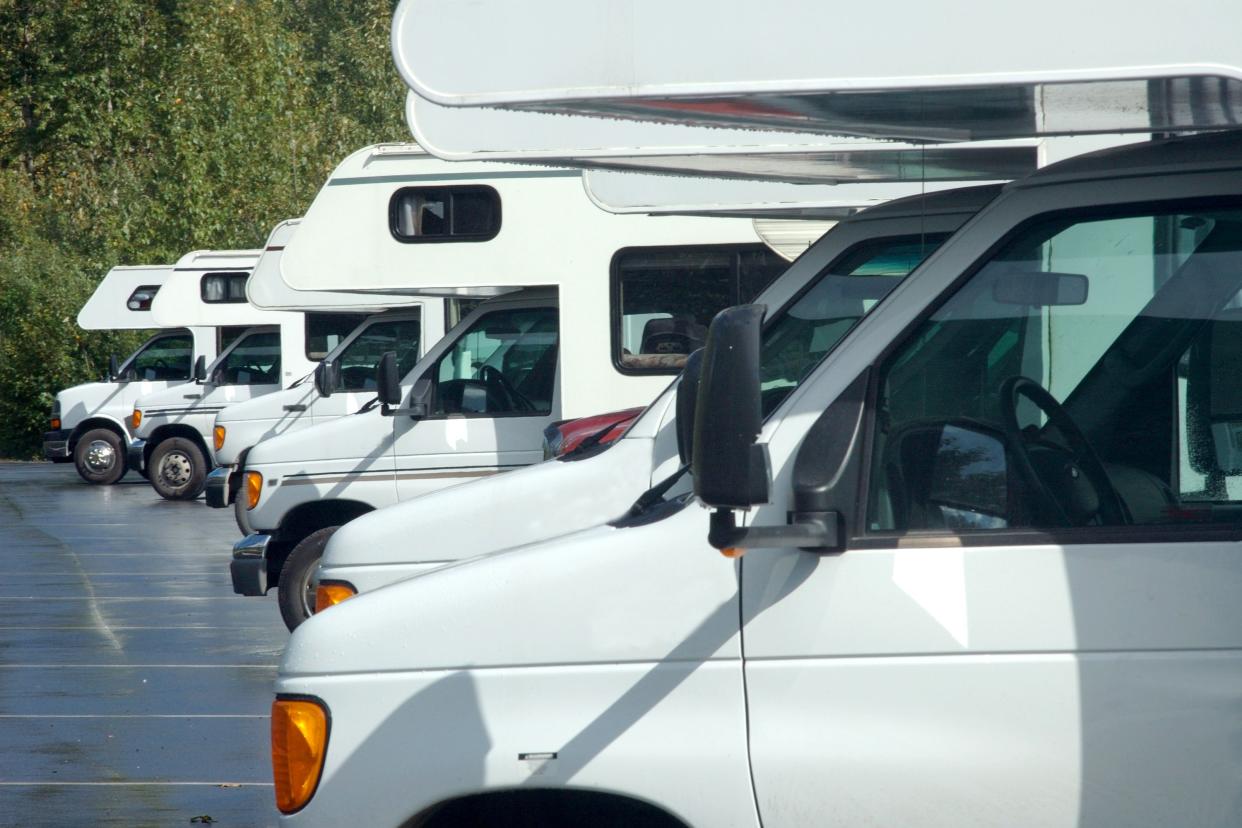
296	595
177	469
99	456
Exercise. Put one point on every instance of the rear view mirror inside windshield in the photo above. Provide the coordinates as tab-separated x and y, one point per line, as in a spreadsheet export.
1040	289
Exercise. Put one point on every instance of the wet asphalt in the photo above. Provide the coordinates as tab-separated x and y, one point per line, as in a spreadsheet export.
134	685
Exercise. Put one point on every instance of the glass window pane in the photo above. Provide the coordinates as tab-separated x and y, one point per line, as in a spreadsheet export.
166	358
467	213
357	362
255	361
1128	323
505	363
324	331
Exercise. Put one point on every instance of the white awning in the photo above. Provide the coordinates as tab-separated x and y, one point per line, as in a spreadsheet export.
955	70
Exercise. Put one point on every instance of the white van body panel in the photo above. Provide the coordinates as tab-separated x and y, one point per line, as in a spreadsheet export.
983	83
180	303
108	308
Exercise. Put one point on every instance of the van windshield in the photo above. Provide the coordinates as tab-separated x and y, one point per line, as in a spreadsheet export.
848	288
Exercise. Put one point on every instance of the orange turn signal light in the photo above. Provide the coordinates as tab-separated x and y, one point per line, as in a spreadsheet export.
254	488
299	743
733	551
331	593
56	424
136	419
217	437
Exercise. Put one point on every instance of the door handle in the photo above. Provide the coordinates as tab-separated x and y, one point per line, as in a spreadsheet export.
296	407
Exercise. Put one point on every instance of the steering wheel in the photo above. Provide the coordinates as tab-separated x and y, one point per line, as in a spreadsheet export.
1082	487
494	378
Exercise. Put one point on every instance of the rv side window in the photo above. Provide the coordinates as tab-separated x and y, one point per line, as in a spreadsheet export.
435	214
255	361
663	299
802	334
142	297
324	331
163	358
504	364
223	288
357	362
1084	377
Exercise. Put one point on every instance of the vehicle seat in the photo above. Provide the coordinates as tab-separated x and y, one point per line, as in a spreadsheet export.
678	335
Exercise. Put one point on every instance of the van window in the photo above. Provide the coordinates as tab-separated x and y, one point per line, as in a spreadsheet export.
255	361
795	340
163	358
324	331
226	335
1085	376
505	363
142	297
223	288
436	214
663	299
358	360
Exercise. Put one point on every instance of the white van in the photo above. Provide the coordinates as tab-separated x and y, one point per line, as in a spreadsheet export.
814	303
344	379
269	350
88	420
551	345
991	567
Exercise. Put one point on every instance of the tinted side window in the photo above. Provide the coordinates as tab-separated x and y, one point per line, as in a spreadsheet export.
166	358
665	297
357	362
255	361
223	288
432	214
324	331
1083	377
142	297
505	363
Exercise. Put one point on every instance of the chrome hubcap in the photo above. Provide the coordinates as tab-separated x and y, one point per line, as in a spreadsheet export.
100	456
175	469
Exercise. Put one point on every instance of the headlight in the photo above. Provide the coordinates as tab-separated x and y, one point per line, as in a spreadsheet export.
254	488
331	593
137	418
299	742
217	437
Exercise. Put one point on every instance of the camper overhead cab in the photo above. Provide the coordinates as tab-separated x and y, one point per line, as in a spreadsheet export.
266	351
590	312
88	422
344	378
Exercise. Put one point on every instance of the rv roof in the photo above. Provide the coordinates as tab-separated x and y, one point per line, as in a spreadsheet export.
546	227
266	289
907	69
474	133
218	260
109	307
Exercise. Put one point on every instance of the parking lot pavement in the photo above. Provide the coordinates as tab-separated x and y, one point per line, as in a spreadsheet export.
134	685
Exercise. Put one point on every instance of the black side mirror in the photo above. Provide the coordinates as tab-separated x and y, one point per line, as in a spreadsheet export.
687	396
114	370
387	383
200	368
327	378
730	469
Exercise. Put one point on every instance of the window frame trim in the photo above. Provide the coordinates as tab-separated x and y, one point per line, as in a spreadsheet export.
447	238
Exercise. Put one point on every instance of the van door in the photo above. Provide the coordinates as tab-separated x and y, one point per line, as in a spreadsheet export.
357	361
250	369
492	394
1035	620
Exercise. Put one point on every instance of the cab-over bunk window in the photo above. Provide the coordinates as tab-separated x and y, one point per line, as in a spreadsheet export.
444	214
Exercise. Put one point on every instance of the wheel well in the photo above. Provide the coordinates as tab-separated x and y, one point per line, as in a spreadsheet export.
95	422
545	808
175	430
303	520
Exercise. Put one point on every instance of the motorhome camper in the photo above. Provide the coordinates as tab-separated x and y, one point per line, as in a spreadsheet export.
591	312
88	421
344	379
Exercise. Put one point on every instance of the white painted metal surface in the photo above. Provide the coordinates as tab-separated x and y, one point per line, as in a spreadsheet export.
108	309
180	302
904	69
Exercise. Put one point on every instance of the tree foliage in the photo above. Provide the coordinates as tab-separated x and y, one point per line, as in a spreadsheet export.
135	130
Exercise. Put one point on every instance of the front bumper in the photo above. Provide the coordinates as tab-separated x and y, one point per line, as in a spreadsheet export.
56	444
249	565
135	455
222	487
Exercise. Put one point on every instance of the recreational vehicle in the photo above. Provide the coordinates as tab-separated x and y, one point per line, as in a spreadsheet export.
88	421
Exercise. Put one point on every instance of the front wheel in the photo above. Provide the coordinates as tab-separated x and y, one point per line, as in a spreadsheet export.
177	469
99	456
297	577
